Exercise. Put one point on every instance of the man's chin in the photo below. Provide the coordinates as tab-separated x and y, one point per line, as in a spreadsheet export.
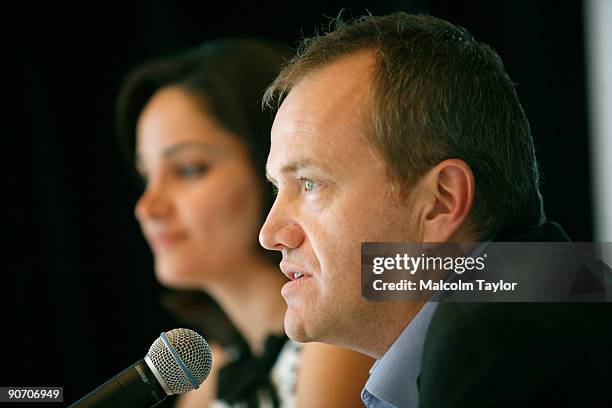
296	329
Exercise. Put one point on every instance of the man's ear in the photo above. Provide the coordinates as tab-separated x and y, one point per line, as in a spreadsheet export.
451	187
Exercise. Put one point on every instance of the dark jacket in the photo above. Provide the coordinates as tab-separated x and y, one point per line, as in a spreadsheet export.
519	354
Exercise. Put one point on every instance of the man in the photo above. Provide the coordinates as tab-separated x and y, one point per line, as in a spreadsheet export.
405	129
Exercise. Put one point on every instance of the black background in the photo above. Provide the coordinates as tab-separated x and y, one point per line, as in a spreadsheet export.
78	292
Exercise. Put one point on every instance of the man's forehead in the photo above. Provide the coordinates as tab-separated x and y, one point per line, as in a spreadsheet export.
330	101
334	82
321	122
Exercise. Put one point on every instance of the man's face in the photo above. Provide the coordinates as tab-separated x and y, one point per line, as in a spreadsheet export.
333	194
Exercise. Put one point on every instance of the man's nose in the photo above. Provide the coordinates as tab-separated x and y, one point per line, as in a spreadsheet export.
280	231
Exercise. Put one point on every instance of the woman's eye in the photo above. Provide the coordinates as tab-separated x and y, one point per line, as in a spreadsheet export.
192	170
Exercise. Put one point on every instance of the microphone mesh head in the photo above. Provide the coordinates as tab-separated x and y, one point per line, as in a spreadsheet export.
193	351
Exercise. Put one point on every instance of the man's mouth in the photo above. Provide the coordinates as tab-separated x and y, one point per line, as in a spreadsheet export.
297	280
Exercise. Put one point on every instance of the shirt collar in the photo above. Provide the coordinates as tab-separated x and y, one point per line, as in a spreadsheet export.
394	377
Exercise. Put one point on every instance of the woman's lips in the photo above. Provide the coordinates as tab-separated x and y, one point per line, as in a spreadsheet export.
165	240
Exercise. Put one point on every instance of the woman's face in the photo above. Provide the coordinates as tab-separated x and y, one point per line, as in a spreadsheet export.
201	207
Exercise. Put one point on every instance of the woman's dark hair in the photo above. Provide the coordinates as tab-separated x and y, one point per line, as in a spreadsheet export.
229	76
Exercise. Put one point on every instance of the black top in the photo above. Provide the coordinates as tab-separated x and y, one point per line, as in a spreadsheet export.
246	379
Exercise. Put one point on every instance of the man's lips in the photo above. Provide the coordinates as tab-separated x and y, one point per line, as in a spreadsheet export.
298	278
293	272
296	275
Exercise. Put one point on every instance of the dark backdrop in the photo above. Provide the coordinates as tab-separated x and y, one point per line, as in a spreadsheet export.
78	293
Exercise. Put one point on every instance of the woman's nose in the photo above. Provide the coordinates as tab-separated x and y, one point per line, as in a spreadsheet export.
152	204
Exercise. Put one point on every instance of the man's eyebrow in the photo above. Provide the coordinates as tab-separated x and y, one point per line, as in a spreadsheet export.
296	166
270	178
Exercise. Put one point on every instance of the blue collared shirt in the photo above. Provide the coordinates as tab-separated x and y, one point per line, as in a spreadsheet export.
393	378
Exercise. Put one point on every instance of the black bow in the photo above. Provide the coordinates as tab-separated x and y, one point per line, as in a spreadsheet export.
242	379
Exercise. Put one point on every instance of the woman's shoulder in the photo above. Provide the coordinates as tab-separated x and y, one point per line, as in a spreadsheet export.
330	376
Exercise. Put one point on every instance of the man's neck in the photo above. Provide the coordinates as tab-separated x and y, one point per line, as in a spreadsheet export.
392	319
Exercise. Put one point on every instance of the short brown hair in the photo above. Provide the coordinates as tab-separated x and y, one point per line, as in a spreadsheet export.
437	93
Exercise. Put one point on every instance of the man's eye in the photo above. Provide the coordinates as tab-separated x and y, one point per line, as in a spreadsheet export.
274	190
192	170
307	185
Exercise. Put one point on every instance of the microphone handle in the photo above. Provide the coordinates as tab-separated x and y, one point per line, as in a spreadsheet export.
134	387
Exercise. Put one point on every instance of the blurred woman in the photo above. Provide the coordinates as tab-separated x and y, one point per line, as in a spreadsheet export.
199	138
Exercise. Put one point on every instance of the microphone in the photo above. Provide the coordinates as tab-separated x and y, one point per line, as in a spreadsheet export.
177	362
